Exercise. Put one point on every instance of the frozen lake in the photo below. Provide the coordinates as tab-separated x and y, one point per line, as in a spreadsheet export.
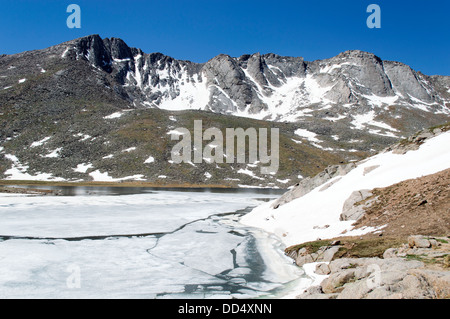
139	243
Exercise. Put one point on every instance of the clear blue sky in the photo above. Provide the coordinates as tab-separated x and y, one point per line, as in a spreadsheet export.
414	32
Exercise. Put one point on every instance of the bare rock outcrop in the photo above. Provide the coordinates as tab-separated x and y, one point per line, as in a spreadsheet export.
395	276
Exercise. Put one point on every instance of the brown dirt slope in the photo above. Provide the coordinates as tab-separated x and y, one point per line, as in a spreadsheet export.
416	206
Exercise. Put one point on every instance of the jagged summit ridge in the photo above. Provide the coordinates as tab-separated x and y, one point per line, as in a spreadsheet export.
263	86
355	87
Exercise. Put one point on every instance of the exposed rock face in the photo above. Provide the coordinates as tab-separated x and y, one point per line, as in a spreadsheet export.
231	91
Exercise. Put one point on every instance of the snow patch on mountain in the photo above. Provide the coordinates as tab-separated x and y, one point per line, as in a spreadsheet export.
149	160
362	121
114	115
83	167
41	142
310	136
265	87
18	171
191	95
54	153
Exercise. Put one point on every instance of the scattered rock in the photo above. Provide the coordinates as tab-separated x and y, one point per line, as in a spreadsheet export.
321	227
31	191
357	290
415	206
323	254
304	259
413	142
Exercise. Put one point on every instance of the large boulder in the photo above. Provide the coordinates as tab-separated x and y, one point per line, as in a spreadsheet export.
419	241
354	206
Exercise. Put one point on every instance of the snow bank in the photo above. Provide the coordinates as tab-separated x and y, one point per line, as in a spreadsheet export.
316	215
98	176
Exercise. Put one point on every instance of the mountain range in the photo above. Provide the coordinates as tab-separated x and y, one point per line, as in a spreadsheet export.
97	109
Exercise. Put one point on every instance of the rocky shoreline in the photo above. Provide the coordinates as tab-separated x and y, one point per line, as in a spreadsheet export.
416	270
30	191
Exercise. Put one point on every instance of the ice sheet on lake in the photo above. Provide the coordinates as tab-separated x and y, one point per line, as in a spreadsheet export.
199	250
62	217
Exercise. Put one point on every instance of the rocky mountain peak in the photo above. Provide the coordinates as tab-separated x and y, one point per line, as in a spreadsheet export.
355	87
118	49
101	97
267	86
358	54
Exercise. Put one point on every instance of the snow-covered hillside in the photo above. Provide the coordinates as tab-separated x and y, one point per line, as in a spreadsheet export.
317	214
